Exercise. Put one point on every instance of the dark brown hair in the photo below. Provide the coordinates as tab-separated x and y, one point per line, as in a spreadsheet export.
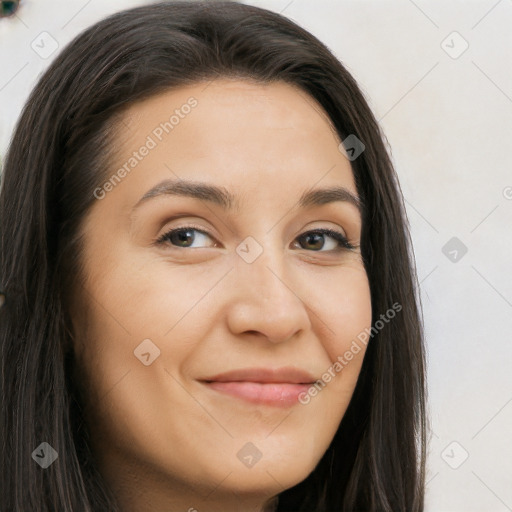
56	159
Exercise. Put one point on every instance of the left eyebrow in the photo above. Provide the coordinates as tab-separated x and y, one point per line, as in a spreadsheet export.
222	197
322	196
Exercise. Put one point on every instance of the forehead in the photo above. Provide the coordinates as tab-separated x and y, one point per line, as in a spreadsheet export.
267	103
241	135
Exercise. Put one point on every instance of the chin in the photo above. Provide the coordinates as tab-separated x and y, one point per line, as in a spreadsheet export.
271	476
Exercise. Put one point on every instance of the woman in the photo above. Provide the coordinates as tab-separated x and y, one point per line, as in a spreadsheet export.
210	297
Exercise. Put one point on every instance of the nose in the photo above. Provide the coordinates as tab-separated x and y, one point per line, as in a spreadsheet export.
266	300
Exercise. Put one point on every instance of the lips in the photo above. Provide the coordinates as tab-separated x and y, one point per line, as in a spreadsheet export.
277	387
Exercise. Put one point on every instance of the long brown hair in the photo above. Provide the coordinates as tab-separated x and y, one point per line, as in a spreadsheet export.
57	158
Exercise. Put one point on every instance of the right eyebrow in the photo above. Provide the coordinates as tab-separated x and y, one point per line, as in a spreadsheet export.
197	190
320	196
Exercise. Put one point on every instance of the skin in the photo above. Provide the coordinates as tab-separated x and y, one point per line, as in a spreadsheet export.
163	440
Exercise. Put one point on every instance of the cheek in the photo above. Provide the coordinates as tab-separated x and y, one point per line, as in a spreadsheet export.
344	315
343	304
135	300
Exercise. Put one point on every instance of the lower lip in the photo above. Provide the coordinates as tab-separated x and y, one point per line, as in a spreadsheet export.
280	394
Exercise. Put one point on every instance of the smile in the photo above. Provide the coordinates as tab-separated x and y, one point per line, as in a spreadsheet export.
280	387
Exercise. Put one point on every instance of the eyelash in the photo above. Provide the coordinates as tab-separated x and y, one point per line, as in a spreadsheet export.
341	239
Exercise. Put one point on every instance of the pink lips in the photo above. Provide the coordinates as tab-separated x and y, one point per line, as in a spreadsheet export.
279	387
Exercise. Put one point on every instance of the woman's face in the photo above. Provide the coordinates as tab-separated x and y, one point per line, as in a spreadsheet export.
211	303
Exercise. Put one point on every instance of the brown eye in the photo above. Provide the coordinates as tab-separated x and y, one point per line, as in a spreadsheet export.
184	237
315	240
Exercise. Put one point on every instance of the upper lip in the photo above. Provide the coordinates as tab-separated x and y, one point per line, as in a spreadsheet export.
277	375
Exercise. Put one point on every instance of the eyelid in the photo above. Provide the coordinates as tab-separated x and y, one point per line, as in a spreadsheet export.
200	229
340	237
342	240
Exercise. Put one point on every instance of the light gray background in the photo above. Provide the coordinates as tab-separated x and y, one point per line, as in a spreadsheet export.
447	115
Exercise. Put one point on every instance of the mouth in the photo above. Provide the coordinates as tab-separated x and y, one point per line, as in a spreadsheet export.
279	387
